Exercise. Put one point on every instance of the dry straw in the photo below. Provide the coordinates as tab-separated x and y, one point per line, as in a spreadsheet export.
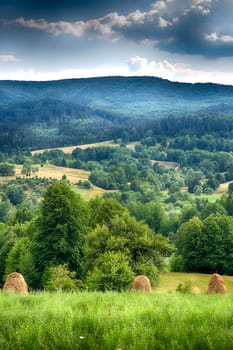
15	283
216	285
141	283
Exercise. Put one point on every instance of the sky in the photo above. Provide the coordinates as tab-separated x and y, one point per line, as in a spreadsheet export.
179	40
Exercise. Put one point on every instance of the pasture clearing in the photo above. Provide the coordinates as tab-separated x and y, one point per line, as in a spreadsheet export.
169	281
69	149
56	172
223	187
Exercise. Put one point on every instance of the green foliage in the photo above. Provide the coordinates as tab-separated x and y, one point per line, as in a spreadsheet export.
206	246
144	249
177	263
61	226
7	169
84	184
103	210
27	168
20	259
23	213
7	240
188	236
15	194
152	213
5	207
60	278
111	272
230	188
185	288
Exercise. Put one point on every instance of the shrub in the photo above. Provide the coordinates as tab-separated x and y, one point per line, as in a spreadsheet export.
111	273
185	288
60	278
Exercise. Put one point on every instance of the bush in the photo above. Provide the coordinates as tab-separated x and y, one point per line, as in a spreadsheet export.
185	288
60	278
111	273
84	184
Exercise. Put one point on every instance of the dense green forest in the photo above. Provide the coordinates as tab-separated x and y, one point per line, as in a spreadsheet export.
50	114
167	200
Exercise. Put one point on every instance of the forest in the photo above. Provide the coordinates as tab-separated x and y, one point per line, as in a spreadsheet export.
35	115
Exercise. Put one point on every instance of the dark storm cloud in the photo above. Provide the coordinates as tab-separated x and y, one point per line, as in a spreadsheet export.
191	29
66	9
196	27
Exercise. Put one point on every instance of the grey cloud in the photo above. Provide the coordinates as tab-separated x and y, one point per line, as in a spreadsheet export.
174	25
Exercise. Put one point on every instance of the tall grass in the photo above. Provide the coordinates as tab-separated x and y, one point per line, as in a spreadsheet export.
115	321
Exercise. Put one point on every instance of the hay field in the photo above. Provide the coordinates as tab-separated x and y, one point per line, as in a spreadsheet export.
170	280
51	172
223	188
69	149
56	172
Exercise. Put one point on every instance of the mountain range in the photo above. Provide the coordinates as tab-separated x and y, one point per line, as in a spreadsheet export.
56	113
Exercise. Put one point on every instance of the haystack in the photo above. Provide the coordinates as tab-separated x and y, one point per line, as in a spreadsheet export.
141	283
216	285
15	283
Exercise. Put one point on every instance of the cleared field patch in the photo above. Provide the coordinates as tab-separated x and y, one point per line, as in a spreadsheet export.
56	172
73	176
170	280
167	165
69	149
223	188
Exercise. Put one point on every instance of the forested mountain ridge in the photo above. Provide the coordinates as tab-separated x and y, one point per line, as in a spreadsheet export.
88	91
65	112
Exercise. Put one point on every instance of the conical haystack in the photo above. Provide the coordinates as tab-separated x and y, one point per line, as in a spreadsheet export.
141	283
15	283
216	285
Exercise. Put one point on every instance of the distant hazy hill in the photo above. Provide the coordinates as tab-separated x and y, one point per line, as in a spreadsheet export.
59	112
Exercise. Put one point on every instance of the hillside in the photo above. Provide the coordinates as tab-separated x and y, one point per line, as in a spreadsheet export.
66	112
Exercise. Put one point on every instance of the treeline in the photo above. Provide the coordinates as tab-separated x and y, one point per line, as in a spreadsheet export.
95	245
67	243
55	124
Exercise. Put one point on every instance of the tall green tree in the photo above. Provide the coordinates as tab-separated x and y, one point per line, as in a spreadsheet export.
142	248
20	259
63	221
7	240
188	238
207	246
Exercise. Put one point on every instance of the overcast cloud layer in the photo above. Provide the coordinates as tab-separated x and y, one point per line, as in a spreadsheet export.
184	40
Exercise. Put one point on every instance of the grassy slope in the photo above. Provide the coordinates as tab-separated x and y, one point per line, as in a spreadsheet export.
111	321
55	172
69	149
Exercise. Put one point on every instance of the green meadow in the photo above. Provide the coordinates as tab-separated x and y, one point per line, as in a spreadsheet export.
114	321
